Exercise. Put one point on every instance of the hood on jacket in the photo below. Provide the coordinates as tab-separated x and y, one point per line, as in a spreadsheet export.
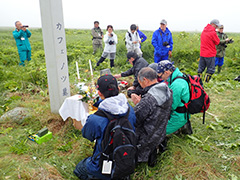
160	92
209	28
115	105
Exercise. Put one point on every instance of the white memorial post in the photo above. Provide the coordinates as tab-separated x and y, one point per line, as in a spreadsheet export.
55	52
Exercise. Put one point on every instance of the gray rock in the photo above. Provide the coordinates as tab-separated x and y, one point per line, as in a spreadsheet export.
16	115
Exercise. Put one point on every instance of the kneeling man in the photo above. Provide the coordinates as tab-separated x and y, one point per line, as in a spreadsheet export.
152	111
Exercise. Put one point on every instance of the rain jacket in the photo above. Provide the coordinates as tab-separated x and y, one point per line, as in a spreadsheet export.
152	112
95	127
130	38
209	40
138	64
181	91
221	46
157	41
21	38
110	48
97	35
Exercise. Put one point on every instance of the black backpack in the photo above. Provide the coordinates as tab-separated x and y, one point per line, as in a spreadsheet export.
118	145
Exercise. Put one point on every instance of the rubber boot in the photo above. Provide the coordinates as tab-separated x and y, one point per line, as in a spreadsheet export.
219	69
111	63
207	77
100	61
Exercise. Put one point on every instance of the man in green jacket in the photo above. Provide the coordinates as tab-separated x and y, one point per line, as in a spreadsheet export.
224	40
97	36
179	121
21	35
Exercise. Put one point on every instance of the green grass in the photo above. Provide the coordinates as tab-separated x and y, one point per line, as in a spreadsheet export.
211	152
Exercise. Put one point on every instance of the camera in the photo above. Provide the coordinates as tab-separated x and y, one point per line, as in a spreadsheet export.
165	43
230	41
25	26
111	42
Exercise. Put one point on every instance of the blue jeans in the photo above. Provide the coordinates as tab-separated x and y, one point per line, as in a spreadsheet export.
82	173
81	170
158	58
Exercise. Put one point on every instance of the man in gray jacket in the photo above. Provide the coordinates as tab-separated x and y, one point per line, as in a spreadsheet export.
152	111
138	63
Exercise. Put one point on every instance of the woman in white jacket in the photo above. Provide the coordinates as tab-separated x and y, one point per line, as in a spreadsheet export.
110	40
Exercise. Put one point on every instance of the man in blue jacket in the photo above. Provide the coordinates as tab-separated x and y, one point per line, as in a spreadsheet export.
21	35
113	103
162	42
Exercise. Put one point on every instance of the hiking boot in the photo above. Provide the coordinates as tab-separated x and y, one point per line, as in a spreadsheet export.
163	146
126	178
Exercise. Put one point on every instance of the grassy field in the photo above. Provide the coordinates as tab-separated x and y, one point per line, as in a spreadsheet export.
211	152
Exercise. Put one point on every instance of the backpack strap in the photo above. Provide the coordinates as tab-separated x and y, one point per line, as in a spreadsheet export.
181	109
130	36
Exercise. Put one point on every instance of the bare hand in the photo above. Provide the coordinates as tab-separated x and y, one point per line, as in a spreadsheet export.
117	76
170	53
131	88
135	98
134	42
24	28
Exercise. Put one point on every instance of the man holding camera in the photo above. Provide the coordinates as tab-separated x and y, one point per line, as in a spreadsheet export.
224	40
209	40
21	35
162	42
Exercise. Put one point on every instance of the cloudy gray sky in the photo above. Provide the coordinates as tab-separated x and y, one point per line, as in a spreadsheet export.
181	15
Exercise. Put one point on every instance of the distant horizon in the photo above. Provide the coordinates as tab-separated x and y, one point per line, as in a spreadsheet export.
196	31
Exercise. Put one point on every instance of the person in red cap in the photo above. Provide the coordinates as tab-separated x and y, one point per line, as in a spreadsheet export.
112	103
209	40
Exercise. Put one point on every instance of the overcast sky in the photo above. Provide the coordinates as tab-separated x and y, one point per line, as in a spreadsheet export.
181	15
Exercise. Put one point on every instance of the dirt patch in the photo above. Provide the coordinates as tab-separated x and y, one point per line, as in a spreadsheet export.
56	124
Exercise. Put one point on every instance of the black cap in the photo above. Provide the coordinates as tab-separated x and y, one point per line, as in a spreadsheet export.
133	27
131	54
107	85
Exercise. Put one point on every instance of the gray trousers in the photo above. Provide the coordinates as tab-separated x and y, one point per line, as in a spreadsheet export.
206	62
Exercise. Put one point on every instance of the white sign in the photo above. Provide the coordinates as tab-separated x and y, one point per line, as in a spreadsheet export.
55	52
